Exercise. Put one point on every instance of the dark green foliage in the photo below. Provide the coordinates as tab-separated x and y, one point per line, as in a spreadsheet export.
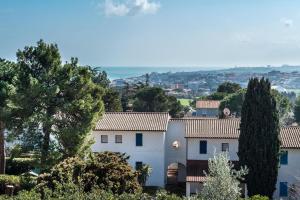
234	102
112	101
297	110
7	91
259	138
61	101
27	181
9	180
228	87
216	96
107	171
175	107
100	77
17	166
154	99
258	197
73	192
151	99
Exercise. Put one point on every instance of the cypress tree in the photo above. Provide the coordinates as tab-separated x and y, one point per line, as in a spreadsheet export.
259	138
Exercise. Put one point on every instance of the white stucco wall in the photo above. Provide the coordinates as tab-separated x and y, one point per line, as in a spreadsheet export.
213	146
152	152
175	132
289	173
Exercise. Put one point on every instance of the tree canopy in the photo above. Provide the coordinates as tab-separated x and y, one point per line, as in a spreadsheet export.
228	87
297	110
62	101
259	138
7	91
154	99
235	101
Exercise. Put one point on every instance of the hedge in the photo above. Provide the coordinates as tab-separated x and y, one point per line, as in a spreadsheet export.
9	180
17	166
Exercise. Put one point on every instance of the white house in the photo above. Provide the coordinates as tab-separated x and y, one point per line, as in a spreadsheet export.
140	135
178	150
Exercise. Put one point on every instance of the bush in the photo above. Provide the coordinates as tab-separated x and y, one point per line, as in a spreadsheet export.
9	180
27	181
106	171
258	197
73	192
17	166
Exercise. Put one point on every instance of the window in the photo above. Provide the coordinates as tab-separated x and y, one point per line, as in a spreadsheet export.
104	138
284	158
283	190
118	139
138	165
225	147
139	139
203	146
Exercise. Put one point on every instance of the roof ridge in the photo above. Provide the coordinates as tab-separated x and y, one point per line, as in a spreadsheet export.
136	112
233	119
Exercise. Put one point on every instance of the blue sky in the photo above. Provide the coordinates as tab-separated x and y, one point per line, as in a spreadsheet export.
157	32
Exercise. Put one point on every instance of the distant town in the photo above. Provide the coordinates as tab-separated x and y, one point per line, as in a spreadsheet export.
285	79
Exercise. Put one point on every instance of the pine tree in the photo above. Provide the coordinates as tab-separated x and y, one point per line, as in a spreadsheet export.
61	100
259	138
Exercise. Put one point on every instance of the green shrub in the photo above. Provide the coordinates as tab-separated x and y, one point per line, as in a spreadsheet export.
106	171
163	195
17	166
23	195
27	181
73	192
9	180
258	197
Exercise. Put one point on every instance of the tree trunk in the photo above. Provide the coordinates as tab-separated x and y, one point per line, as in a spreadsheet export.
2	148
45	146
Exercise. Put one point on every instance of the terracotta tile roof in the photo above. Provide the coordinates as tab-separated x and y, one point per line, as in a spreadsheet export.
212	128
290	137
133	121
207	104
229	129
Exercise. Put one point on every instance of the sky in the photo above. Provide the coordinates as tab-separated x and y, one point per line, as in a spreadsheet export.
157	32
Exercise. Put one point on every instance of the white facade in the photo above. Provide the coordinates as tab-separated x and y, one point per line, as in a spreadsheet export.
175	133
162	149
290	172
213	146
152	152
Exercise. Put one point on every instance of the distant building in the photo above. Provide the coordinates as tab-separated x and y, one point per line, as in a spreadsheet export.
177	86
118	83
207	108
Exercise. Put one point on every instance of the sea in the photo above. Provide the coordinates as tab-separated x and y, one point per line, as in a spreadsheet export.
128	72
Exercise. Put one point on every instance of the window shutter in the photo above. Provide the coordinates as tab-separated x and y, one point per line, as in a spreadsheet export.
283	189
139	139
284	158
203	147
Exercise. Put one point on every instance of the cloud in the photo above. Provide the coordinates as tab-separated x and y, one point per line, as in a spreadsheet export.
287	22
129	7
111	8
